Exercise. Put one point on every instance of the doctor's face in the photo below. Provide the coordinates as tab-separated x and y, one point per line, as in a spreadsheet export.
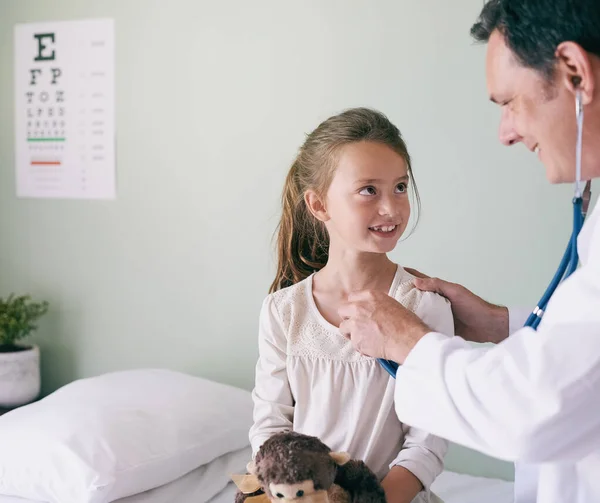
537	113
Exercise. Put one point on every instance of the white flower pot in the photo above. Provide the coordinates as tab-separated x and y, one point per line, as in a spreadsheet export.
20	380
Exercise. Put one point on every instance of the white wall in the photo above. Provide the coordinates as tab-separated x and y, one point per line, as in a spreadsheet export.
213	99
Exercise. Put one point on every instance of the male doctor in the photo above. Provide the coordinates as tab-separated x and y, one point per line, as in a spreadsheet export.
534	397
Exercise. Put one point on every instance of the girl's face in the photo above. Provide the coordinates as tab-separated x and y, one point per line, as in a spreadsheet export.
366	208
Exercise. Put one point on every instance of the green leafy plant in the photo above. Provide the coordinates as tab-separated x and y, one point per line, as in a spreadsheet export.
18	315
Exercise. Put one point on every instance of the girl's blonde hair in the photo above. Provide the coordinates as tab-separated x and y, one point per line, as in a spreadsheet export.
302	240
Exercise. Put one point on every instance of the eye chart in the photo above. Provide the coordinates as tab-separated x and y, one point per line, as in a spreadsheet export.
64	115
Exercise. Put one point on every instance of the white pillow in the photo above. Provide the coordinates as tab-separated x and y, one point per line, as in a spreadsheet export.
103	438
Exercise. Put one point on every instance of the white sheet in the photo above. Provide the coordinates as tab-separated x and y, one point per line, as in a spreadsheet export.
198	486
459	488
451	487
211	484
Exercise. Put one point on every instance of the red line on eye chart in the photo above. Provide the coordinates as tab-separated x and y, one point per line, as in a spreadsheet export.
45	163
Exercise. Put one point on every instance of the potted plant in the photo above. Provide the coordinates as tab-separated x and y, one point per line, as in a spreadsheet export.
20	381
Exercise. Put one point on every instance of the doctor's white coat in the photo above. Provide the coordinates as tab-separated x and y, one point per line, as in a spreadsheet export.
533	399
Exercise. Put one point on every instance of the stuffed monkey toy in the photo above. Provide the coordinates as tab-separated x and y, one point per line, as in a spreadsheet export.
291	467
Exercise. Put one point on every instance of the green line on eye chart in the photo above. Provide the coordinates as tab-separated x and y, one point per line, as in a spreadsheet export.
45	139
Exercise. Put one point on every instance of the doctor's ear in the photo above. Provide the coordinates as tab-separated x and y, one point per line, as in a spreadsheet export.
577	73
316	205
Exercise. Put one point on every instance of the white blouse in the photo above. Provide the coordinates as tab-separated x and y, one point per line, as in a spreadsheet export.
310	379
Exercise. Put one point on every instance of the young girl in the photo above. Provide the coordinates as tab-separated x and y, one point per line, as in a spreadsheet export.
345	205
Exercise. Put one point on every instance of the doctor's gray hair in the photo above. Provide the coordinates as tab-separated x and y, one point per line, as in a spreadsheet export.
533	29
302	240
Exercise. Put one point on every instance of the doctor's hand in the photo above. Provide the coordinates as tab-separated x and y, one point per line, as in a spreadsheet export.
379	326
474	319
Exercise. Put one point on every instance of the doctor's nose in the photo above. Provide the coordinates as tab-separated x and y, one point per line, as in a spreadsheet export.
507	133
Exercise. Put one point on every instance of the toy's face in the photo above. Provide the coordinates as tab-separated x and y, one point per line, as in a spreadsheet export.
301	492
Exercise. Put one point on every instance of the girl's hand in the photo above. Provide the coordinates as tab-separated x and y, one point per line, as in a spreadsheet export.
400	485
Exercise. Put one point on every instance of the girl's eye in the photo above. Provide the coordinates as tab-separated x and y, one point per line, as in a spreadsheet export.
368	191
401	188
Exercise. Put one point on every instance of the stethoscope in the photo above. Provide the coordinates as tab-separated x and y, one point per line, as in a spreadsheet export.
570	259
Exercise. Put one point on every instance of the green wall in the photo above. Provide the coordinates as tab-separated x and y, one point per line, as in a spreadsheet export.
212	100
